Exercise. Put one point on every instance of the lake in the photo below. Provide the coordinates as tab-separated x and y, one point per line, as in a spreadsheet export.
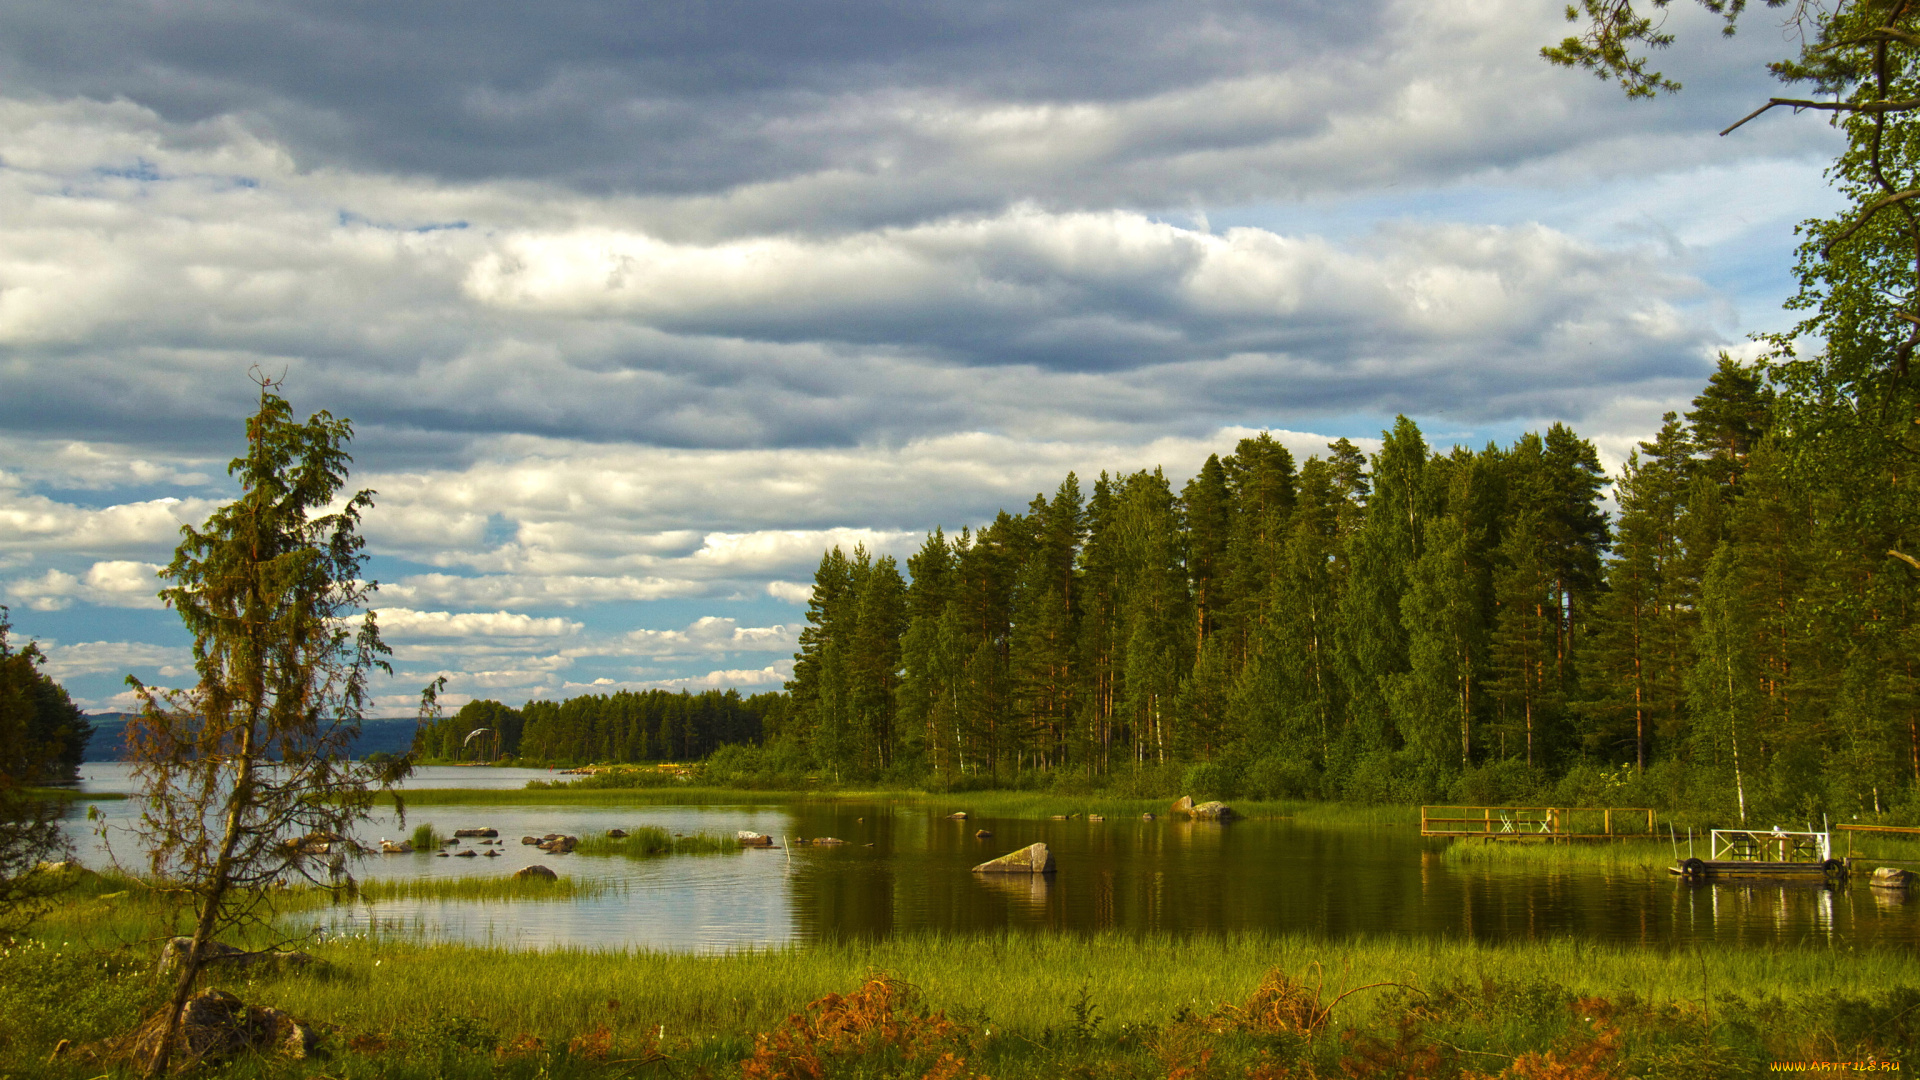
906	868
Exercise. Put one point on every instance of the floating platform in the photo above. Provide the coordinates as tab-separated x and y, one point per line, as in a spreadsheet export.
1812	873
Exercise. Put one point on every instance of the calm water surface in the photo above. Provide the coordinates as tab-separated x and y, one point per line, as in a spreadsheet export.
906	869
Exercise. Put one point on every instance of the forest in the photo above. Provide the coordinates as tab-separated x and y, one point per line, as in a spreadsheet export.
627	726
1728	625
1735	634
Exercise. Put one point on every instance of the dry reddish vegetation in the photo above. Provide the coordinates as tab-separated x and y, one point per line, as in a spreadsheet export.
882	1024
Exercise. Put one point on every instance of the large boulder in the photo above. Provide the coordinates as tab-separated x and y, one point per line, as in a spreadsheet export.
1892	877
476	832
536	872
958	815
215	953
388	847
1213	811
1032	859
748	838
1183	805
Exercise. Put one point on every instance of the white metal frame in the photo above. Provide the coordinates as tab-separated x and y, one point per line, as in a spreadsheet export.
1756	845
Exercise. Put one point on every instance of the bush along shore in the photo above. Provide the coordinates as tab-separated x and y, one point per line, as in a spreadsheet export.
954	1006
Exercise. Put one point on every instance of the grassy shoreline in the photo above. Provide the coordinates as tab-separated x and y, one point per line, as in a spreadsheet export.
1039	1005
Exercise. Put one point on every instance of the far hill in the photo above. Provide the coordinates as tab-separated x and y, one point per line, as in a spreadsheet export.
109	736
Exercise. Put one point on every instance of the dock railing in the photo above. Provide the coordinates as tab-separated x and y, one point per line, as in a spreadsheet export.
1531	822
1770	845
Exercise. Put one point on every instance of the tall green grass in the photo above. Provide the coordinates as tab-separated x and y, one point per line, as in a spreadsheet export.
651	840
1637	855
504	887
1029	1003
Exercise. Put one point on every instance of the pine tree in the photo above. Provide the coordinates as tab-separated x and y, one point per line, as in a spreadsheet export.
1383	554
235	771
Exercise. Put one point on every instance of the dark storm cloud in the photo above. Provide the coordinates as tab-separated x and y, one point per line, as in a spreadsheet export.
677	96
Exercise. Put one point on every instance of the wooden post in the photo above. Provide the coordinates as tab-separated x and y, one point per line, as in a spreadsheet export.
1487	829
1609	820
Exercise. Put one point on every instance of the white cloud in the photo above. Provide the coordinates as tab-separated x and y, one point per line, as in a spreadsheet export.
115	658
405	623
113	583
792	592
706	635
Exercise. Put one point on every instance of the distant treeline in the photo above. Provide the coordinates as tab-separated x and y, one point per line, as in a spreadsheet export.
628	726
1413	625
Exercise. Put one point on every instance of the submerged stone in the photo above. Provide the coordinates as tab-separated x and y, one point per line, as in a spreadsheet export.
1892	877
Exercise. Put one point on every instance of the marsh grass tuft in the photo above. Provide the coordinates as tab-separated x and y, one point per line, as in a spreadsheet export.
427	838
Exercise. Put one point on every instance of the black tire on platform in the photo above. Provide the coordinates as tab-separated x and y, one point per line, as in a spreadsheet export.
1834	868
1693	867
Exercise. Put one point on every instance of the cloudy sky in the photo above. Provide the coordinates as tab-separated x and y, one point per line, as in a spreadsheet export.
636	308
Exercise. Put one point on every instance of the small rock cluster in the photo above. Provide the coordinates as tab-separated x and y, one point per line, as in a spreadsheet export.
214	1026
554	843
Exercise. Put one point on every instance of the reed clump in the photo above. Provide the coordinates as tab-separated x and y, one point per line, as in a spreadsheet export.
1641	856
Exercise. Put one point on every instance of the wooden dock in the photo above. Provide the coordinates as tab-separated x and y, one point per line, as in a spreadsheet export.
1521	824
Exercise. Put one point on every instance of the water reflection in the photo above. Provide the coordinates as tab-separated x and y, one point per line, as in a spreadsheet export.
905	869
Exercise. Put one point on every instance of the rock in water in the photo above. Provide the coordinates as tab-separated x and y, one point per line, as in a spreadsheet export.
1184	805
529	840
828	841
476	832
467	854
1032	859
1892	877
748	838
616	834
1213	811
536	872
958	815
1148	816
982	834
